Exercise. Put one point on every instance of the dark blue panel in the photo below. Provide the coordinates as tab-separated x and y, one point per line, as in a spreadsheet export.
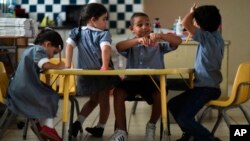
32	8
40	1
112	8
72	2
120	1
48	8
105	1
25	2
40	17
57	1
127	24
120	16
112	24
63	8
129	8
137	1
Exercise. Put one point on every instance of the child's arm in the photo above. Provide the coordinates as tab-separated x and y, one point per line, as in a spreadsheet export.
106	53
188	21
49	65
124	45
68	54
173	39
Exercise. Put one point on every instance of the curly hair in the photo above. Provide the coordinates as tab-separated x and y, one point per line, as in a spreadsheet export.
208	17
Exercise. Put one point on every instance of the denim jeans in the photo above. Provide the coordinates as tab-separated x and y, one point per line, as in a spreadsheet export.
185	106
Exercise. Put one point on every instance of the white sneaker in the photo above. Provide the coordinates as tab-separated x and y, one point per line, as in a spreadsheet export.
119	135
150	132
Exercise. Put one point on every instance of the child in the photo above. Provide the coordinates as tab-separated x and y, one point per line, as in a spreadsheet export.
142	52
27	95
208	76
94	50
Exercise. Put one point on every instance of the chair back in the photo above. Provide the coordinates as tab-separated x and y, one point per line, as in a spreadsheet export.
240	91
4	82
57	81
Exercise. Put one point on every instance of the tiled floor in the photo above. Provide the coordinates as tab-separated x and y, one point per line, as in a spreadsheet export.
136	125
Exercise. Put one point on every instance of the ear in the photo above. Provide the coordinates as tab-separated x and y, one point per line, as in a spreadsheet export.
93	19
131	28
46	43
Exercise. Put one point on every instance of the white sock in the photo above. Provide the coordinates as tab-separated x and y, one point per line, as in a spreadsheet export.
49	122
100	125
81	119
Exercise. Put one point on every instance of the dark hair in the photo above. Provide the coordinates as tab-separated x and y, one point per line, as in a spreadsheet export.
137	14
48	34
90	10
208	17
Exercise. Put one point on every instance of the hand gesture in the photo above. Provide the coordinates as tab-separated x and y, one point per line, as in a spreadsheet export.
193	8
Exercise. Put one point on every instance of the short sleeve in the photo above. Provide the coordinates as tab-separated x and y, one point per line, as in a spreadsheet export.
40	57
72	37
105	38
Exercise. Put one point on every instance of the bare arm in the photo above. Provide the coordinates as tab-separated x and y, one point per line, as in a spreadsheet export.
188	21
173	39
106	53
68	54
123	45
49	65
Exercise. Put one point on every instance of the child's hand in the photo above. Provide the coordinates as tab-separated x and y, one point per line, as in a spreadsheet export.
193	8
154	38
104	68
144	41
61	65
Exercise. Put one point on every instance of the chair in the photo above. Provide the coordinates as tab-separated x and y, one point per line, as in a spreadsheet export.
239	95
56	82
7	117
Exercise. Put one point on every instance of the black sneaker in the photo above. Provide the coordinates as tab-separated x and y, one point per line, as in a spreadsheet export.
95	131
76	127
185	137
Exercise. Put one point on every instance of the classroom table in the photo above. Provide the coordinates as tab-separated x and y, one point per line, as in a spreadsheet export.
162	73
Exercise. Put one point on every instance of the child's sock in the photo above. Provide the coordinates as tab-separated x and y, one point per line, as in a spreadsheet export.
81	119
49	122
100	125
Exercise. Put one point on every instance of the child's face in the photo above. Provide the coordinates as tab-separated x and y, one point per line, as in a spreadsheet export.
141	26
51	50
101	22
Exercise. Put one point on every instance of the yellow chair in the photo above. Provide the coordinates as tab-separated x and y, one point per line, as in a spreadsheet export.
7	116
240	94
56	82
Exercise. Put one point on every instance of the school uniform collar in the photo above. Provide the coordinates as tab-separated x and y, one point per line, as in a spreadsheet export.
91	28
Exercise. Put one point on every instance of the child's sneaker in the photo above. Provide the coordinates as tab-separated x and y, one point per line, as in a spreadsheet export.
76	127
150	132
119	135
95	131
50	134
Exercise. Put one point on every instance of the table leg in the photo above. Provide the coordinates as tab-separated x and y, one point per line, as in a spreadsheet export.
65	103
163	104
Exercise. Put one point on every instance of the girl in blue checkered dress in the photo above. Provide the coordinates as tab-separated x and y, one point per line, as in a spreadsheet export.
94	49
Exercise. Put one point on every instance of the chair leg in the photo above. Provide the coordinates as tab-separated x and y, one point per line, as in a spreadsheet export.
218	121
134	107
4	117
204	113
25	130
35	129
226	118
245	114
8	120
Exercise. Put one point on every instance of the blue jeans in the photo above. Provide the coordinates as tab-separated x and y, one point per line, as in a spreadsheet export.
185	106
